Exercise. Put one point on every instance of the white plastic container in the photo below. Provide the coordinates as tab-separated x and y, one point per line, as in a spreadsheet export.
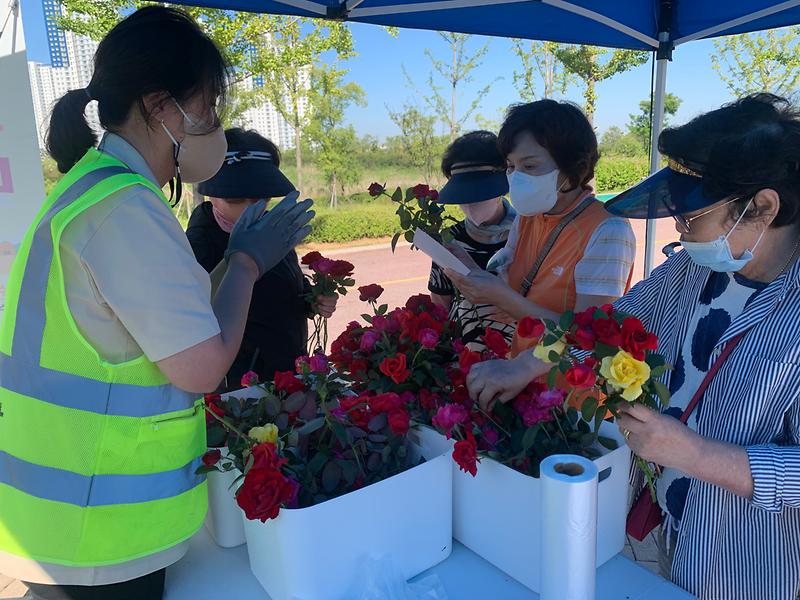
224	517
318	553
496	513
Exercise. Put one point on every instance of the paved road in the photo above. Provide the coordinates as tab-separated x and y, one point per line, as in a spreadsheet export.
405	272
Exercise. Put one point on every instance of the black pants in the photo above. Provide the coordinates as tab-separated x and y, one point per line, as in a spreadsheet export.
149	587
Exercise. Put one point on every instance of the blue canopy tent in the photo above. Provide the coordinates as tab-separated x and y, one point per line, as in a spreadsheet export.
656	25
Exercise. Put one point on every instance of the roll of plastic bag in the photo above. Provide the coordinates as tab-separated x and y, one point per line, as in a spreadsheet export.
569	528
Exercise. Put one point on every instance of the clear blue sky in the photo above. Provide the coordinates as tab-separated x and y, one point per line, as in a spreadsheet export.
378	70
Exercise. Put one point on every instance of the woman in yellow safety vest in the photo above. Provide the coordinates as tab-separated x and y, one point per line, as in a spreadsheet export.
110	335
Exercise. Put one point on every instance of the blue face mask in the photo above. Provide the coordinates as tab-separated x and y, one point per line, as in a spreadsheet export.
717	255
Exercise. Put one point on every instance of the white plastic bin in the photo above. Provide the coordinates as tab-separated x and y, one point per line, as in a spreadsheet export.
318	553
496	513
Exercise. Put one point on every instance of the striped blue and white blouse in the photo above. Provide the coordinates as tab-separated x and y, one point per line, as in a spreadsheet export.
728	547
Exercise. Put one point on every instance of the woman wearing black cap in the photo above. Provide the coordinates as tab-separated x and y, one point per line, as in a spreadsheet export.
277	325
727	312
477	183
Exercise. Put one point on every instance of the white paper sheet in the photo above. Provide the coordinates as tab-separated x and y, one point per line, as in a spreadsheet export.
438	253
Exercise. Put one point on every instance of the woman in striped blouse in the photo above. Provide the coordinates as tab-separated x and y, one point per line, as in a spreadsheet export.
730	487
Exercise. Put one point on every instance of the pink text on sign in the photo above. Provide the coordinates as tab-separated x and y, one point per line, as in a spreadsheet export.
6	185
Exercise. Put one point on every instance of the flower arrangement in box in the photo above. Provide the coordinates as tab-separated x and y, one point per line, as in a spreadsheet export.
303	439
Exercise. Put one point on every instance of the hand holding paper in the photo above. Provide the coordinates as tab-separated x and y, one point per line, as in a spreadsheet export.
438	253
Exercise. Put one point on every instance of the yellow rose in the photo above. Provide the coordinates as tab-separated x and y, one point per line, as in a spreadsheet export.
543	352
267	433
625	374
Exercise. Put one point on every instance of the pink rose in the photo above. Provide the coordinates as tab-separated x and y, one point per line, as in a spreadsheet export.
448	416
368	340
319	363
428	338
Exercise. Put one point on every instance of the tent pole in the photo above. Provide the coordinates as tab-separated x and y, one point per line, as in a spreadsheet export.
655	157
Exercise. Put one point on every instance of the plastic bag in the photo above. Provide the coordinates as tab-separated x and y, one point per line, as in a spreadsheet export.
382	581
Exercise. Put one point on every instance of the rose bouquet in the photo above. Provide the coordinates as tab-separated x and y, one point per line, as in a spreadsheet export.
412	352
302	439
328	278
417	209
601	358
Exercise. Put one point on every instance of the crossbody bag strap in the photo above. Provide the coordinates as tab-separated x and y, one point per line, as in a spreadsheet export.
710	375
528	281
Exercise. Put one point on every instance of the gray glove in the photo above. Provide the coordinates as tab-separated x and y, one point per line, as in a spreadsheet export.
268	237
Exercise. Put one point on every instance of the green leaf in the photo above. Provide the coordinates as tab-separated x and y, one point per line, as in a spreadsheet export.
604	350
367	318
551	378
395	239
294	402
311	426
529	438
205	469
397	196
607	442
662	391
565	322
549	339
589	409
409	236
554	356
377	422
272	406
317	462
331	476
572	415
282	421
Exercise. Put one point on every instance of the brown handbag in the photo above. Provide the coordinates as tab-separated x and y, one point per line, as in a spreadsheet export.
645	514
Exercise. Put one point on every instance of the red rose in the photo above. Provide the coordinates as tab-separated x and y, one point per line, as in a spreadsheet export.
428	400
585	338
311	259
427	321
429	338
370	293
388	402
607	331
420	191
399	422
375	189
465	453
324	266
608	309
636	339
581	377
433	195
419	303
495	342
212	457
359	366
263	493
265	456
585	318
466	359
529	328
249	379
395	367
285	381
213	406
341	268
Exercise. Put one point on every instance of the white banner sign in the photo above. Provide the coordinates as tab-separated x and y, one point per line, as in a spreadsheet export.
21	181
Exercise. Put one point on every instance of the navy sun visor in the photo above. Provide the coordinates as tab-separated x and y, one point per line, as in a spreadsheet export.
666	192
472	185
247	174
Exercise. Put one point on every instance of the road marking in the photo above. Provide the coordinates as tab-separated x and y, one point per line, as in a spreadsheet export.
406	280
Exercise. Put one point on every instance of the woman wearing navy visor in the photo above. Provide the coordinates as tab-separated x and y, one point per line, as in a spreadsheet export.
277	324
730	486
477	184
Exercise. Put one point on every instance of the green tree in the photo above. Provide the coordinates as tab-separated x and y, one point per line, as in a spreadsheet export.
419	140
336	144
539	61
615	142
456	71
592	65
639	124
281	50
767	61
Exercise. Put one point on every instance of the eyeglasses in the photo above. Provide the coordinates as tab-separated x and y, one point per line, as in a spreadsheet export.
685	223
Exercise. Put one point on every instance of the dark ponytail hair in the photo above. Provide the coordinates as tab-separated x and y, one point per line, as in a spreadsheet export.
155	49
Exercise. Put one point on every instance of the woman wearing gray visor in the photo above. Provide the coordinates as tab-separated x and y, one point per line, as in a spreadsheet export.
726	311
477	184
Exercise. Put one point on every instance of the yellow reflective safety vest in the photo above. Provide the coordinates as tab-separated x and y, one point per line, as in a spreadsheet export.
97	460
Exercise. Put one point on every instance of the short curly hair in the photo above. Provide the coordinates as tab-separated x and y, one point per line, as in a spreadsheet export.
562	129
745	146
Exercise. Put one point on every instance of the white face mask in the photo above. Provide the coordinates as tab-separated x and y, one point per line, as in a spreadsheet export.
533	194
480	212
717	255
199	156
